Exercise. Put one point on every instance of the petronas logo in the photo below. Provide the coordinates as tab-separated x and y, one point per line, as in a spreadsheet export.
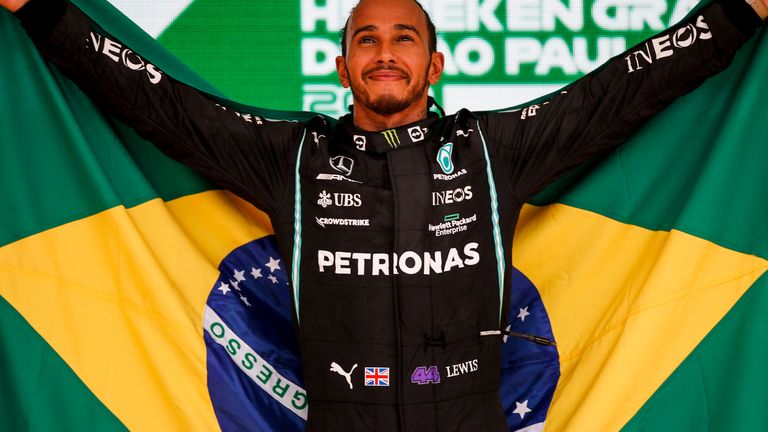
444	158
392	139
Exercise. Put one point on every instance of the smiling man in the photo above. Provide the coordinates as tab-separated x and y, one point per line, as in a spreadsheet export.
389	59
397	223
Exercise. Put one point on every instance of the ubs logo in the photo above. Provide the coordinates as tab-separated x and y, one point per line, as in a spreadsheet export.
326	200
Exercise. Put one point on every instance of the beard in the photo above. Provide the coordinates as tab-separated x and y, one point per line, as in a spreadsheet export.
388	104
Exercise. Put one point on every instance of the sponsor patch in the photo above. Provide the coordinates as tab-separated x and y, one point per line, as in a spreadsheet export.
452	224
342	164
447	177
122	55
375	264
336	177
461	133
416	134
392	139
461	368
360	142
376	377
668	45
338	199
425	375
325	222
444	158
335	367
452	196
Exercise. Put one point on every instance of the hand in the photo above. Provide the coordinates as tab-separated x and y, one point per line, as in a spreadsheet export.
13	5
760	6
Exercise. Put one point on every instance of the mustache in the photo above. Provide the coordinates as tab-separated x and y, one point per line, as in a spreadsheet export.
387	68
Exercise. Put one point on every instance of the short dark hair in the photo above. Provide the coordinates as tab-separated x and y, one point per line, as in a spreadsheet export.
430	30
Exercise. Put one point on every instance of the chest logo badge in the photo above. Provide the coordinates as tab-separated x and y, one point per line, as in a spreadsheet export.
347	375
343	164
360	142
416	134
444	158
392	139
377	377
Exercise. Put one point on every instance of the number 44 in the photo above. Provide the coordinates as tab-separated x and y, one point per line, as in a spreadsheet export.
423	375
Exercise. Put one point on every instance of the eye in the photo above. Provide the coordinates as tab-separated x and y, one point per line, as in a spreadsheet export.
406	38
366	40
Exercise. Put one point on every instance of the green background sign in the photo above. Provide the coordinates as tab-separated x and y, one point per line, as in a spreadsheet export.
499	53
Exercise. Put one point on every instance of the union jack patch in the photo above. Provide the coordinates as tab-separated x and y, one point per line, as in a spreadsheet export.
377	377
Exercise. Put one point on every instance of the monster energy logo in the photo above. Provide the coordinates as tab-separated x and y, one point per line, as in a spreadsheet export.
392	139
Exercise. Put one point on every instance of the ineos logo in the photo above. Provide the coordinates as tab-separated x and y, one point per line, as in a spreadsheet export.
452	196
665	46
128	58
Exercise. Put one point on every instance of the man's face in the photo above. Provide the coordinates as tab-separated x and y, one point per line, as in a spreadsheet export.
388	64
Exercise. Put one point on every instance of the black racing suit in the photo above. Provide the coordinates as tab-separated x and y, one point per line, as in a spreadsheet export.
400	240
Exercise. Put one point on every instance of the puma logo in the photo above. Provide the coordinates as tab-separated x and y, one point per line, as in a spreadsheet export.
348	375
317	138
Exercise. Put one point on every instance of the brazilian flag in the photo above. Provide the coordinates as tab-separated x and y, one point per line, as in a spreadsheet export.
134	295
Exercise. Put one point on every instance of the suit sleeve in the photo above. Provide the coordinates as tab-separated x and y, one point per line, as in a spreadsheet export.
245	153
536	144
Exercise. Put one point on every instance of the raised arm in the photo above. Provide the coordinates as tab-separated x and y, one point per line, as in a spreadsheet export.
536	144
243	152
13	5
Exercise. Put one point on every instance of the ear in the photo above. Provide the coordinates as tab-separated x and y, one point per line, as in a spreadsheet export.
436	67
341	69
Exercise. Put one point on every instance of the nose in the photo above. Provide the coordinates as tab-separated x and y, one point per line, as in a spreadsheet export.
387	53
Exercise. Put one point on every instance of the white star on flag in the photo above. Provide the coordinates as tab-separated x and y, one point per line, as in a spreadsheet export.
273	264
523	313
235	284
256	273
239	275
506	333
521	409
224	288
273	279
245	300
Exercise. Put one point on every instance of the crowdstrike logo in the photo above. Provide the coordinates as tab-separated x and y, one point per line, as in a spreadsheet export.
323	222
376	264
666	45
128	58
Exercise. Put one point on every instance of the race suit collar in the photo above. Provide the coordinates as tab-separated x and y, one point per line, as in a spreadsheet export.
391	139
